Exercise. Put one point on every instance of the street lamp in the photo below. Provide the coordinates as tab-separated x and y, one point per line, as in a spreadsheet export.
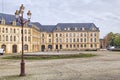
22	21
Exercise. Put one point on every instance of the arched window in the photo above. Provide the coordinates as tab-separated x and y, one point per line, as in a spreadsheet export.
0	37
3	30
25	38
14	30
14	38
67	46
6	30
25	31
6	38
25	47
10	38
91	45
29	38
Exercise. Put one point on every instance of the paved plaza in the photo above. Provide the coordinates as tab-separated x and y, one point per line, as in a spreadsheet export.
105	66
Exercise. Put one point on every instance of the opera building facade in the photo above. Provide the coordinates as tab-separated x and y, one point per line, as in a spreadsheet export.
37	37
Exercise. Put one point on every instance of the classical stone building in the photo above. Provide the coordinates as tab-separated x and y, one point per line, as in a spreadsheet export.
37	37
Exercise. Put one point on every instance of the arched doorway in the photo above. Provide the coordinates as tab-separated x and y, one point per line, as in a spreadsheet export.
3	47
49	47
60	46
56	46
42	47
14	48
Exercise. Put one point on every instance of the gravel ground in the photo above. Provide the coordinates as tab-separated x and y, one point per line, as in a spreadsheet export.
106	66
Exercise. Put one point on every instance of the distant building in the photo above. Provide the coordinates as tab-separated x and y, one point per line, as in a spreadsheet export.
37	37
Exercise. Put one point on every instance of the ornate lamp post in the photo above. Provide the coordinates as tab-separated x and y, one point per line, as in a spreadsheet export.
22	21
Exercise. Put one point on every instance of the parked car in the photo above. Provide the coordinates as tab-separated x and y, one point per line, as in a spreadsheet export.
1	51
111	48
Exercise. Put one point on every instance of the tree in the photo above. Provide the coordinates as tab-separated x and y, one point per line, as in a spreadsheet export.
109	39
117	40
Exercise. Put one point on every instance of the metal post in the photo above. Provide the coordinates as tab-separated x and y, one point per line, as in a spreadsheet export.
22	56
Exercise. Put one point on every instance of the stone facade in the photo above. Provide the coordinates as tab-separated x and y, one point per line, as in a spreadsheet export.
37	37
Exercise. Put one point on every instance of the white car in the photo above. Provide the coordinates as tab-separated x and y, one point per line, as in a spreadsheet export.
1	51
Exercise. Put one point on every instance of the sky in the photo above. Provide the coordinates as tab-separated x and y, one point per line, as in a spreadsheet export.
105	14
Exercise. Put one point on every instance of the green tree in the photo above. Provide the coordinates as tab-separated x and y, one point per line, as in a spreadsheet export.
117	40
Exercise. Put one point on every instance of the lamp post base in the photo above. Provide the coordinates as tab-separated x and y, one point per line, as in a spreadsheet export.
22	69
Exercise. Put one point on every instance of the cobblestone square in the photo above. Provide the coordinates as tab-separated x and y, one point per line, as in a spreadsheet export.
105	66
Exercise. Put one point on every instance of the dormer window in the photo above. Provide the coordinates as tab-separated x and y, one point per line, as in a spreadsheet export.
65	29
58	29
14	23
75	28
93	28
83	28
68	28
2	21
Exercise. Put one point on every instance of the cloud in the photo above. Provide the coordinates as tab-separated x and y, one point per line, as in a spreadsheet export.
104	13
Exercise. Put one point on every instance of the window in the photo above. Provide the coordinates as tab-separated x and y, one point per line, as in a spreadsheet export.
14	30
60	40
77	39
94	34
64	28
74	46
74	35
81	45
60	35
91	40
42	40
29	38
77	34
14	38
84	45
95	40
49	35
70	39
77	45
42	35
3	30
25	31
56	35
91	45
25	47
25	38
6	30
81	34
66	39
70	45
85	35
56	39
81	40
3	38
0	37
28	31
10	38
84	39
10	30
70	34
67	46
74	40
95	45
91	34
49	40
66	34
6	38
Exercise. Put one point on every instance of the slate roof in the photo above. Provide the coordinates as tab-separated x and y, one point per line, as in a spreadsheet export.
51	28
72	26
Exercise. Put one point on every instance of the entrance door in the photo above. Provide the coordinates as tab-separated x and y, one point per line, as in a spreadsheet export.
42	47
14	48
